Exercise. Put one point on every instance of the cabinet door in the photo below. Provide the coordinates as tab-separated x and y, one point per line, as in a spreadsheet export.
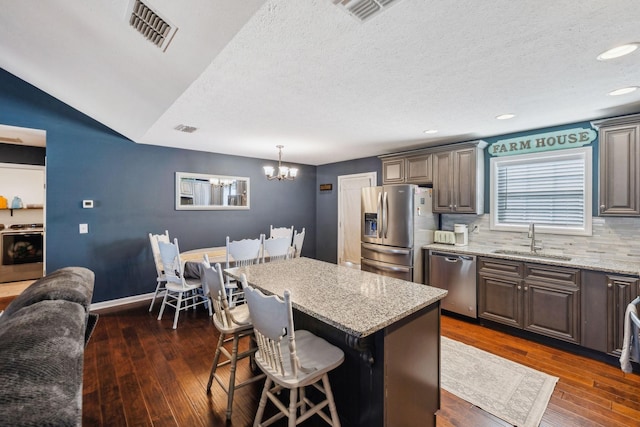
552	310
620	292
619	170
419	170
552	301
499	299
393	171
604	302
443	182
464	181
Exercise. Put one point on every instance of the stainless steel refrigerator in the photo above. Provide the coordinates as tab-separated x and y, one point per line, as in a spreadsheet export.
396	221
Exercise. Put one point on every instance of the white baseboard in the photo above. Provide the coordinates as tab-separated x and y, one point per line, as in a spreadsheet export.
121	301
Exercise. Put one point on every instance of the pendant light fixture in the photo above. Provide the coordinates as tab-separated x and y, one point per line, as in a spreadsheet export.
283	172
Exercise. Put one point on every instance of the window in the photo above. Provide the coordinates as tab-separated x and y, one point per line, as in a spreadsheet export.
552	190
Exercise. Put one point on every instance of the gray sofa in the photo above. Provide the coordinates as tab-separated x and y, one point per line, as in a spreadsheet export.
43	333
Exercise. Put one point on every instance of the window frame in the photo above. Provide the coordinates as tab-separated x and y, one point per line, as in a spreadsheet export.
583	153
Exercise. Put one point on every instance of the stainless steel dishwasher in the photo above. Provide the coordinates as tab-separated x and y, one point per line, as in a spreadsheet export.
457	274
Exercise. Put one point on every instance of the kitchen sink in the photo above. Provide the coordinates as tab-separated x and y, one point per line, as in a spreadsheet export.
531	254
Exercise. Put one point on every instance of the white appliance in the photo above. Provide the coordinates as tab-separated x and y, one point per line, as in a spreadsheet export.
396	222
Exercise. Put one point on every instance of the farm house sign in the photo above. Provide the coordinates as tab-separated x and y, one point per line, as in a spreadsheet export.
569	138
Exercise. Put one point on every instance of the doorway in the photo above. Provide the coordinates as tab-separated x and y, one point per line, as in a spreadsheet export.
22	207
349	189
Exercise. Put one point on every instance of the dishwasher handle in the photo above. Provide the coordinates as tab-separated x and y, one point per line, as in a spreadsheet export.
453	257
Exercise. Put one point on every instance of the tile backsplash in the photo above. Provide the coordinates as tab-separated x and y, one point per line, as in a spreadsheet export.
613	238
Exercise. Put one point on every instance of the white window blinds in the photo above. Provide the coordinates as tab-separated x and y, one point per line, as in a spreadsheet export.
549	189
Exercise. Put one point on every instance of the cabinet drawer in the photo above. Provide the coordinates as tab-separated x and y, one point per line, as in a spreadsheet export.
559	275
500	267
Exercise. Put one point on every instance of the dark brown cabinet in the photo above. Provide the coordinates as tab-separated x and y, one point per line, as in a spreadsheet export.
393	171
411	169
419	169
619	154
539	298
458	179
604	302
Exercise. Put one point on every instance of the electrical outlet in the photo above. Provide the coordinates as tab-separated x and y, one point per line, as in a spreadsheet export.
476	229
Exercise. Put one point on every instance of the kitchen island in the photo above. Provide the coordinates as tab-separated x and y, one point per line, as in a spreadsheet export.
389	330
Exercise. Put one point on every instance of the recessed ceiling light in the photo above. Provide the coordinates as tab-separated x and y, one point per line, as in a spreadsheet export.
623	91
505	116
429	131
618	51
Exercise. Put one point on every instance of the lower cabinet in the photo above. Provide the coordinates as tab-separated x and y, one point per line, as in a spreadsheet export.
604	301
539	298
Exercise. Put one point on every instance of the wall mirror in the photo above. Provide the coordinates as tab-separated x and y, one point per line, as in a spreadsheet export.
195	191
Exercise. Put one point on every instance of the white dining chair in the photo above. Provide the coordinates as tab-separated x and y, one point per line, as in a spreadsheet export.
298	240
241	253
276	249
233	324
291	359
181	293
160	277
281	232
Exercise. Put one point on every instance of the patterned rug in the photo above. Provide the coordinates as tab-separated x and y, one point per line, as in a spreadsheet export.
512	392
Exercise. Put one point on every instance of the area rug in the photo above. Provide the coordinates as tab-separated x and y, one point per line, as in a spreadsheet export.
512	392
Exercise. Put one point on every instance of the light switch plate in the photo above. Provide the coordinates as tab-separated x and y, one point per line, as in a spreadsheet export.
84	228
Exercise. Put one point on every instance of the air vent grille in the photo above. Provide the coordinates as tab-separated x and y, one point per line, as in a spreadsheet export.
363	10
186	129
150	24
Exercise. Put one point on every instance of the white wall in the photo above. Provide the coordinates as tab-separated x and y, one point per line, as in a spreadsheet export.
24	181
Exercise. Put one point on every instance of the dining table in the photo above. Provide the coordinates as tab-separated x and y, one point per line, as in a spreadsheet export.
192	260
388	329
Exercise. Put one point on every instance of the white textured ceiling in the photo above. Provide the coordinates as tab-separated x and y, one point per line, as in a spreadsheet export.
252	74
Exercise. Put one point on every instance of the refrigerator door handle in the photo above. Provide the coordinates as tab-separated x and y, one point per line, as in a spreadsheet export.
379	228
386	268
385	216
386	250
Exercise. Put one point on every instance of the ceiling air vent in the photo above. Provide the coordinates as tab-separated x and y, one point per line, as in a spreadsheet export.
150	24
363	10
186	129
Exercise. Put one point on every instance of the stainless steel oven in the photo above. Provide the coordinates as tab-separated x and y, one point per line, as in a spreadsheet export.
21	252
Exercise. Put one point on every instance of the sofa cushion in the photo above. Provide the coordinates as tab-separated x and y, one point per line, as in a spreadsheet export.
41	364
70	283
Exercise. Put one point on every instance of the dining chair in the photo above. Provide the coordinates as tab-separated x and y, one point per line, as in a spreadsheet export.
181	293
233	324
291	359
276	249
160	278
281	232
298	240
241	253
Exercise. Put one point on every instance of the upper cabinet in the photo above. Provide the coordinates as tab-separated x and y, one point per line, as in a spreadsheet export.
456	172
619	188
458	179
414	168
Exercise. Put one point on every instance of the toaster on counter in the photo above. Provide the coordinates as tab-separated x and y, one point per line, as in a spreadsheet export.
446	237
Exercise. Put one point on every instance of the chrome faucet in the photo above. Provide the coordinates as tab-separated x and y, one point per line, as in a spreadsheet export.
532	236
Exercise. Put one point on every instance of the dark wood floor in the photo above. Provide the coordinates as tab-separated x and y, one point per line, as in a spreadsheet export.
138	371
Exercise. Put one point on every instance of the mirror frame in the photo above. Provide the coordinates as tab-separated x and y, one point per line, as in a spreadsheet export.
178	192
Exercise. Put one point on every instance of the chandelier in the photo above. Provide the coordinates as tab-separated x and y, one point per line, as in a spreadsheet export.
284	172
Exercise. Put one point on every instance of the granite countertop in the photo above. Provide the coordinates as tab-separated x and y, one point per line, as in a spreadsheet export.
596	264
356	302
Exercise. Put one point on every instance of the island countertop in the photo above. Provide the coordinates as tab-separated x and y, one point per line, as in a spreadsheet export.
356	302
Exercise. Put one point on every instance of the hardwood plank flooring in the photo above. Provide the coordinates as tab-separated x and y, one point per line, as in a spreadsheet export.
139	371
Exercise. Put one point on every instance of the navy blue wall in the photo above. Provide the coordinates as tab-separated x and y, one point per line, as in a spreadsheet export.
132	186
327	202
